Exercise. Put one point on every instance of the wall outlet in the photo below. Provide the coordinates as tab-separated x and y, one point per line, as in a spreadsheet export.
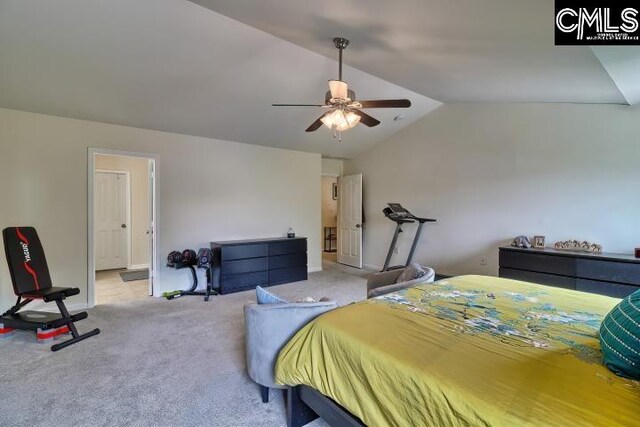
395	250
483	260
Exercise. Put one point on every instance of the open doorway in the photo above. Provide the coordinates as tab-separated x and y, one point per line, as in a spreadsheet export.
329	218
121	226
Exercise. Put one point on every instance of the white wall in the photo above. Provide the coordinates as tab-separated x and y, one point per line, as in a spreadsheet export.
208	190
490	172
138	169
332	167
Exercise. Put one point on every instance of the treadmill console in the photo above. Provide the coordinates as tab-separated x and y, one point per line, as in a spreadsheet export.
398	210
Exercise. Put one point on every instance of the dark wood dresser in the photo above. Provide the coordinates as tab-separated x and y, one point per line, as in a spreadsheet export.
616	275
239	265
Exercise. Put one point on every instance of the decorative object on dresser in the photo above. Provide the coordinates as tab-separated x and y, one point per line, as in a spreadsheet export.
538	242
616	275
239	265
521	242
574	245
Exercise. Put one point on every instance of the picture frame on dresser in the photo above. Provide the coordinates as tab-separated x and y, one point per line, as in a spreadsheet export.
538	242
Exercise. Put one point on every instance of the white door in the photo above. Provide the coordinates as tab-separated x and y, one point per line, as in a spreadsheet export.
111	193
350	220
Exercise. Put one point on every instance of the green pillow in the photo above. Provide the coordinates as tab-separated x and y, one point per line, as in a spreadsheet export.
620	337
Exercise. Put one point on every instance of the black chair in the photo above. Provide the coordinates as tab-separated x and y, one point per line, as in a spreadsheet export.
31	280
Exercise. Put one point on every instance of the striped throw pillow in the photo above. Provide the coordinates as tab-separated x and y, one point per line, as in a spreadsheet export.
620	337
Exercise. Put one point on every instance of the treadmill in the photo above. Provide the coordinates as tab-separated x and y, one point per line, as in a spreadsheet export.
396	213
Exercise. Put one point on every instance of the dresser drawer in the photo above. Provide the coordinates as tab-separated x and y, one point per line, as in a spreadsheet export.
284	261
286	275
288	247
245	251
615	290
241	282
561	265
245	266
621	272
540	278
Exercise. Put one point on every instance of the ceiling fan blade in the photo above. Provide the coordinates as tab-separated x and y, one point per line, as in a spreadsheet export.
297	105
366	119
316	125
386	103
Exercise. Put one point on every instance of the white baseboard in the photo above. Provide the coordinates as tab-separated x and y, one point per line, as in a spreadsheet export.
138	266
372	267
313	269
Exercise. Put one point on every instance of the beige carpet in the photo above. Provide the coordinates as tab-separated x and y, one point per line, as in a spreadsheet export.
156	363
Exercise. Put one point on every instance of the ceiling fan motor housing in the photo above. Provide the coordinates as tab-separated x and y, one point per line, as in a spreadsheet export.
350	94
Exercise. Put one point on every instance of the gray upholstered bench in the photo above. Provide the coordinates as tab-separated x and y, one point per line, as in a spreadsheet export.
268	327
385	281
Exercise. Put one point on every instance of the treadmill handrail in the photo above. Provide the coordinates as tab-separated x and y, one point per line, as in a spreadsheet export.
421	220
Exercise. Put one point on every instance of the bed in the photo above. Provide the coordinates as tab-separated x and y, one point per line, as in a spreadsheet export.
466	351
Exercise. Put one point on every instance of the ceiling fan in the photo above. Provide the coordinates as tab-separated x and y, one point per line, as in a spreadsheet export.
343	110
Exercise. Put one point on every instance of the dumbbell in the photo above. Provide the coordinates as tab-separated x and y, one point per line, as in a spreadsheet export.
205	258
174	257
189	256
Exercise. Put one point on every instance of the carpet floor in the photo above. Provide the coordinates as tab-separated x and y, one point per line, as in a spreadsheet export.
155	363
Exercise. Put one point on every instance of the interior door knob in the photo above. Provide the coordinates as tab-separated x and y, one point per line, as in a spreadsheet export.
358	226
123	225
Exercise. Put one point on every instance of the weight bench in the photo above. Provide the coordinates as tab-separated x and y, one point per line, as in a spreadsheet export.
31	281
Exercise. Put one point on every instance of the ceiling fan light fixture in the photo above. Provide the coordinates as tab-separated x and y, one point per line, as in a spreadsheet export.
338	89
340	120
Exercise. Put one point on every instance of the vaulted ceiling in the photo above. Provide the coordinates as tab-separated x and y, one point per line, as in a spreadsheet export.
212	67
450	50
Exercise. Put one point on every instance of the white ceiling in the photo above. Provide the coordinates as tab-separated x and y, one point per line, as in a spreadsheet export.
175	66
450	50
623	65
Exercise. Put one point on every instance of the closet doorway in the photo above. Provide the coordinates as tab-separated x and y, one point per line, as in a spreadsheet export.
122	226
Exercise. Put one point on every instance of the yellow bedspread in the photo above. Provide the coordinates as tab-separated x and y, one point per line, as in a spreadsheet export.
467	351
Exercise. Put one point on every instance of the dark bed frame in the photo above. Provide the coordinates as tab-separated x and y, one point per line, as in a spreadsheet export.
305	404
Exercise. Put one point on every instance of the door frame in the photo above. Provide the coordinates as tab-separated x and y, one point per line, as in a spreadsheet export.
127	214
154	282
